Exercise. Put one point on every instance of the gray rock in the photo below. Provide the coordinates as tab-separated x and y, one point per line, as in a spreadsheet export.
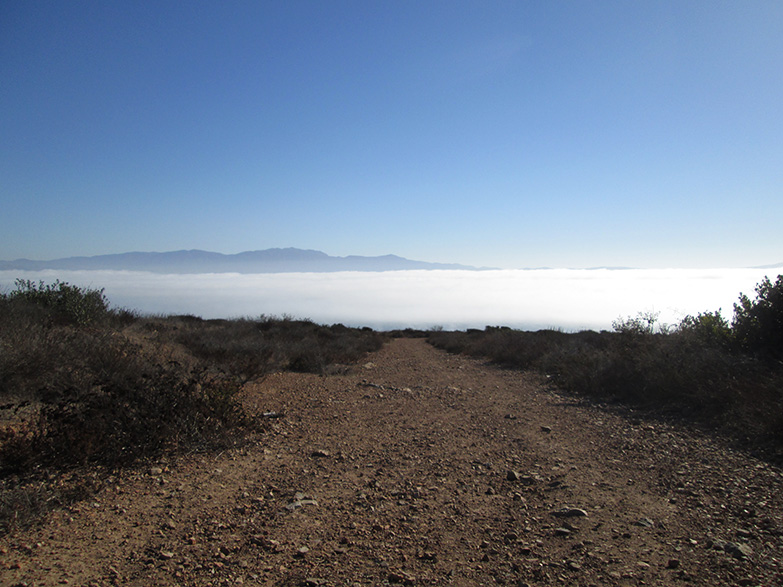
300	499
738	551
523	479
568	512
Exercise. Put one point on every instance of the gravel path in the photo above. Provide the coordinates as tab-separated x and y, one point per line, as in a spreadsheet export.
420	468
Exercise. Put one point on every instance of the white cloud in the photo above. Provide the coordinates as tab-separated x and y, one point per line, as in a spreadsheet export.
531	299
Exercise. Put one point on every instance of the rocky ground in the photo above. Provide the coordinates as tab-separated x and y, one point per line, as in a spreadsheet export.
422	468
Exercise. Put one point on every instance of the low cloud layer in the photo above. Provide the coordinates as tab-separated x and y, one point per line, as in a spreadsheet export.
529	299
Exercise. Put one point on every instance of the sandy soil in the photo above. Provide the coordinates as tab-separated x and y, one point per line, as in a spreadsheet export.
420	468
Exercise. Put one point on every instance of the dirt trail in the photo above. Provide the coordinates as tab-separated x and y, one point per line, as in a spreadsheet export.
423	468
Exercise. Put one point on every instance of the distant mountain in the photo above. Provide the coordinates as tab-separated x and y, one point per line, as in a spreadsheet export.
268	261
775	266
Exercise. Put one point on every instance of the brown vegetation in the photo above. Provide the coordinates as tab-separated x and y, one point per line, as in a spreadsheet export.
83	384
728	378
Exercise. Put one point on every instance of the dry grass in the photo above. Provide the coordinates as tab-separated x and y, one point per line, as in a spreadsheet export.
84	387
675	374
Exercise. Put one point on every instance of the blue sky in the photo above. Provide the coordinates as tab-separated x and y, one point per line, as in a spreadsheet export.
506	134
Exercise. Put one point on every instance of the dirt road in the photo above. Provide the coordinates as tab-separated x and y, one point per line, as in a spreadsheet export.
421	468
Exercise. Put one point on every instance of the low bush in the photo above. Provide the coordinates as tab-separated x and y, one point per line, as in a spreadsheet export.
83	385
62	302
249	349
726	377
101	399
758	324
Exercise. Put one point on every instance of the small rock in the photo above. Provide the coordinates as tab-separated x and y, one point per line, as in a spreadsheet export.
314	582
166	554
523	479
562	532
738	551
402	578
568	512
674	563
320	453
644	523
267	543
154	471
546	429
300	499
301	552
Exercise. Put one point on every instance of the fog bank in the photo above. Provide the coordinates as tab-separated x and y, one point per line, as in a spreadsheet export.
570	299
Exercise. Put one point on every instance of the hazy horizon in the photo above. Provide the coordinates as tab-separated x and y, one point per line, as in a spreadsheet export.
504	134
765	265
567	299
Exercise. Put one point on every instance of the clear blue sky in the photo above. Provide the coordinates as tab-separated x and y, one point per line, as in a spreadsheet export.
508	134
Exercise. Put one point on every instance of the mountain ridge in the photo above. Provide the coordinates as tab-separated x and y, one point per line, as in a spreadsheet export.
194	261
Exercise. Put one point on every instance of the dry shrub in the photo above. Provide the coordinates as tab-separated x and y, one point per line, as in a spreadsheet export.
78	394
678	373
84	387
101	399
252	348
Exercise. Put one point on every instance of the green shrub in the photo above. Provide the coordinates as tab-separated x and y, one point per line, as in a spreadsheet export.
644	323
758	324
710	328
67	304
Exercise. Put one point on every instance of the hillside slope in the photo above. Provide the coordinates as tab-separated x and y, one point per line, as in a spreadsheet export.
196	261
419	468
